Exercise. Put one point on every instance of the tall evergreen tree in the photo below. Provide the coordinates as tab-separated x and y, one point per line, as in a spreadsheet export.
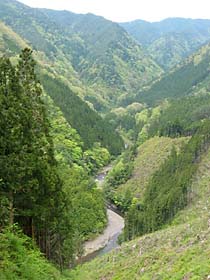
30	187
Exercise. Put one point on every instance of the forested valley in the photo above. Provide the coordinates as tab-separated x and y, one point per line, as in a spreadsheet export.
80	96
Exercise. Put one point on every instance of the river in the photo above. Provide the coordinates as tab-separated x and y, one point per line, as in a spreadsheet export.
106	241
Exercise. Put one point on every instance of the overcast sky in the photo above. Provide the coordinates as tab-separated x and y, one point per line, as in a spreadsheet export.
127	10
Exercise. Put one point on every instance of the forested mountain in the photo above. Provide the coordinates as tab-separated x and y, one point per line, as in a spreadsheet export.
177	106
170	40
188	78
42	192
99	59
90	125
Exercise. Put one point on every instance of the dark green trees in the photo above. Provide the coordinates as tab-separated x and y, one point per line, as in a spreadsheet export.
91	126
30	188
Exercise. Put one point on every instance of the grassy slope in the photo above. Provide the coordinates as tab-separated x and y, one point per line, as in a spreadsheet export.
180	251
150	156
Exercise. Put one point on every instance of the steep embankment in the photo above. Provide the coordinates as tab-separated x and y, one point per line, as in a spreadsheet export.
180	251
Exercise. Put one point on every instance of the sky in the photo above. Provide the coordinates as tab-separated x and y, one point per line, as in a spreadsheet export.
128	10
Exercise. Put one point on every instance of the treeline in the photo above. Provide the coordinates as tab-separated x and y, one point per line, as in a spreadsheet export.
45	189
90	126
169	189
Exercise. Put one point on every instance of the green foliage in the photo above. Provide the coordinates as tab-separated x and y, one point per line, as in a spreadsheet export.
91	127
96	158
119	174
87	211
31	190
124	120
67	142
59	217
191	77
150	155
10	42
84	214
145	119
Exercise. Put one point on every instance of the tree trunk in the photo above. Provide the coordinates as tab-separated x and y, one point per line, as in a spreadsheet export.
11	209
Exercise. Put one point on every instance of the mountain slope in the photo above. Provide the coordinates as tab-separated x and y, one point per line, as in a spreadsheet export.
180	251
89	124
96	55
170	40
182	81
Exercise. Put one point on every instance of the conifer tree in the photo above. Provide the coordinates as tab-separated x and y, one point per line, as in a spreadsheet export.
30	189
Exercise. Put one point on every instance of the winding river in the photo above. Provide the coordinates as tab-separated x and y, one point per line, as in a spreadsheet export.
106	241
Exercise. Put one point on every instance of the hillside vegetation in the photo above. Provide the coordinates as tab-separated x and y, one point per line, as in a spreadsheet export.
180	251
20	259
90	126
10	42
150	155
